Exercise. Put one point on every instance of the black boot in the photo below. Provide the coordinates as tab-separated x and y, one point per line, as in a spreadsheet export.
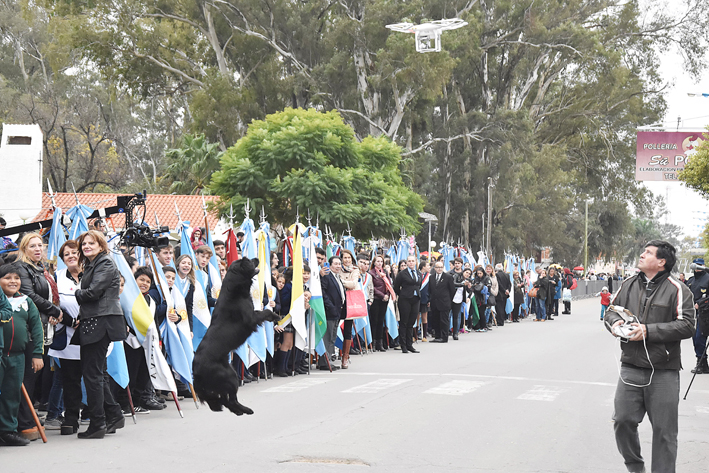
93	432
378	345
279	363
702	367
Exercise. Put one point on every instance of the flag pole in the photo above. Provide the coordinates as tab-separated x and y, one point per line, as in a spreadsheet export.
130	403
194	395
177	404
34	414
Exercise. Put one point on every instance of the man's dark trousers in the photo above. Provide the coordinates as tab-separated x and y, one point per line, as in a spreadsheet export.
660	400
408	313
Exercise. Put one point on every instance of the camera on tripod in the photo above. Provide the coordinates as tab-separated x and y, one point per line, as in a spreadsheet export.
139	234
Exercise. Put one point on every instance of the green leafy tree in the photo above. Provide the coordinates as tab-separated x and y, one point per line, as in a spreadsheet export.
299	160
696	172
190	167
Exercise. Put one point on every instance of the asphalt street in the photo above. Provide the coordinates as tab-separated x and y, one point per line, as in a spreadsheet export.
526	397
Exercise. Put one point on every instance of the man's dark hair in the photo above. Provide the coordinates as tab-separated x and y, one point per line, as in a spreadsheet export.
131	261
143	271
458	259
665	251
158	249
320	251
333	258
422	265
168	269
2	221
239	234
218	243
363	256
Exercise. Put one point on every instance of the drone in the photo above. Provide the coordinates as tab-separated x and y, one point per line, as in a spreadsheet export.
428	35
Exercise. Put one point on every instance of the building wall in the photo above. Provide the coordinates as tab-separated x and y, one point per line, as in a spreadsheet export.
21	177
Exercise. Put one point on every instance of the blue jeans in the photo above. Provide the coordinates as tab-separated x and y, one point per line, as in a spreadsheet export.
56	401
603	310
541	309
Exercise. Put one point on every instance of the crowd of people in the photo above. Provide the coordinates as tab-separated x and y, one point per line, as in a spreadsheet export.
64	321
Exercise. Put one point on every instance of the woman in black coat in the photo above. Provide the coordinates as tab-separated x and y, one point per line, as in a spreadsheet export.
101	322
480	281
40	287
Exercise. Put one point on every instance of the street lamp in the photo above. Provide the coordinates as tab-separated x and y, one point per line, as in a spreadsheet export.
430	218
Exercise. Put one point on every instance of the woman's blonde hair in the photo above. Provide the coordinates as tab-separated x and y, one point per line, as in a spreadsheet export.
24	244
190	275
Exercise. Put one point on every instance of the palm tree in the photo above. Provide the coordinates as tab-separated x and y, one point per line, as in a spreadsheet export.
192	164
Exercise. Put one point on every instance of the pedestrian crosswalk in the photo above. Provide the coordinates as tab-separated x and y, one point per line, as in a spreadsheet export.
298	385
376	386
456	387
541	393
517	389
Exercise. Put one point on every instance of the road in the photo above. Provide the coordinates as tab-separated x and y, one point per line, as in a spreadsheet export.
527	397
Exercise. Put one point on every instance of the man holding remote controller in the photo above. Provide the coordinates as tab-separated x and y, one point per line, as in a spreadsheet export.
650	361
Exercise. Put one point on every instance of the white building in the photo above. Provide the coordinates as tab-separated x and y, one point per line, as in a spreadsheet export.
21	153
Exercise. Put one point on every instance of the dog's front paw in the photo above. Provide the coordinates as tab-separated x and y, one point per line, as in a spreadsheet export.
270	316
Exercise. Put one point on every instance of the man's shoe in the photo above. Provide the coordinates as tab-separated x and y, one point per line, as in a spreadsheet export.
93	432
30	434
153	405
402	348
455	336
54	424
280	374
67	429
438	340
13	439
412	349
115	424
140	410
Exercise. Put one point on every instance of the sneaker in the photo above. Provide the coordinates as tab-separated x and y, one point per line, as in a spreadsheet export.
126	412
152	405
140	410
54	424
13	439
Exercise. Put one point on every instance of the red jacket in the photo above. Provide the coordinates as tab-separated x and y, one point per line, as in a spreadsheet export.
606	298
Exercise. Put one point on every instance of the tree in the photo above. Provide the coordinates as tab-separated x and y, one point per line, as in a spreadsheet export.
299	160
190	167
696	172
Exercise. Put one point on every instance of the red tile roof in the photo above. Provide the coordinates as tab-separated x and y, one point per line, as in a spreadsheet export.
161	205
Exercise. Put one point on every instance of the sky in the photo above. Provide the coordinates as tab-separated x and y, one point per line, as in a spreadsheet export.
688	208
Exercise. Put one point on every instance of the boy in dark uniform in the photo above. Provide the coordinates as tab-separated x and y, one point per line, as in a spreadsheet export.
19	318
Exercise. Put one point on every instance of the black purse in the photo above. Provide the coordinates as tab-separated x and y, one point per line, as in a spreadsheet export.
60	339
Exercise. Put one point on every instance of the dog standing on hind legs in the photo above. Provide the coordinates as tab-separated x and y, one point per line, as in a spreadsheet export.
233	321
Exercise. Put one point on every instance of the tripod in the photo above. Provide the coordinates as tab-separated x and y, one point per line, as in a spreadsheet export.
696	369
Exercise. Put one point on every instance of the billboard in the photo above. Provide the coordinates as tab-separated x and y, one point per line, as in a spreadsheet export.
661	155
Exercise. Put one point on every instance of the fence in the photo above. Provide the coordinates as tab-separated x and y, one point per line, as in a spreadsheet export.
586	289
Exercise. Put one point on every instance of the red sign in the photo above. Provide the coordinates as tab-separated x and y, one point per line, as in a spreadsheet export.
661	155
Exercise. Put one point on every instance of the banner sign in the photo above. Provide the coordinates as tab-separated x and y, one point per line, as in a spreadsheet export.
661	155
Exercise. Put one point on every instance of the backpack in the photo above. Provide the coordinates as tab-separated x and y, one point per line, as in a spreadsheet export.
574	284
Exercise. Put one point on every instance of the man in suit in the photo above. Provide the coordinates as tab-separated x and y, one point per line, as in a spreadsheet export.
442	290
504	284
335	301
407	287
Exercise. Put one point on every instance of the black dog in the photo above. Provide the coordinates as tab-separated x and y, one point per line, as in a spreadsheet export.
233	321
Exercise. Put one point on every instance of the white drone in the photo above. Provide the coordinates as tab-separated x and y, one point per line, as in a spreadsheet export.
428	35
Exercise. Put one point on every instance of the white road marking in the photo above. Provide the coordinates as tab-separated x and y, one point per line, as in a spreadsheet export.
484	376
376	386
297	385
703	409
456	388
541	393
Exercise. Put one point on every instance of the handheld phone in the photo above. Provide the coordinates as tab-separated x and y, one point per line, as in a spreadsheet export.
326	265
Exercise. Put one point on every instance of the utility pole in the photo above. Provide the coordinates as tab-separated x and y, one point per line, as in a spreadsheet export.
585	243
489	215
